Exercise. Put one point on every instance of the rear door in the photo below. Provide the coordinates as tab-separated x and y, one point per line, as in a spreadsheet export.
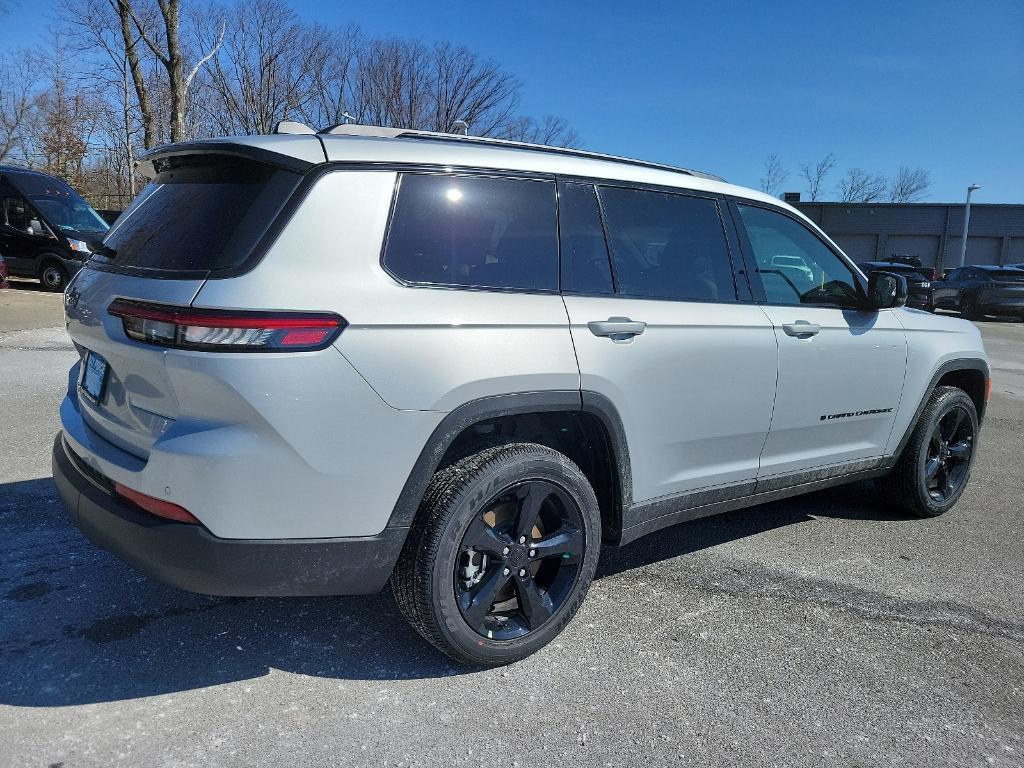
841	367
662	334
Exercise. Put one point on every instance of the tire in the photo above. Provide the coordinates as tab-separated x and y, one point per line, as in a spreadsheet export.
479	502
53	276
937	451
969	307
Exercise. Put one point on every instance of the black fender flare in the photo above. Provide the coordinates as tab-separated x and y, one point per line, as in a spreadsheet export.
950	366
494	406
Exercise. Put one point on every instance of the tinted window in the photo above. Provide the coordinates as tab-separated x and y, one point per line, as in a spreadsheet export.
458	230
667	246
197	216
585	266
794	266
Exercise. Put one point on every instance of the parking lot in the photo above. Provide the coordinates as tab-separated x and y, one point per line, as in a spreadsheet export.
825	629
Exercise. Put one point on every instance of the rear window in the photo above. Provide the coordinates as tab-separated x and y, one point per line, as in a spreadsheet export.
198	216
473	231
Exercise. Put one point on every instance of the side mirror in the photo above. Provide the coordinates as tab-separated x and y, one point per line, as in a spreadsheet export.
886	290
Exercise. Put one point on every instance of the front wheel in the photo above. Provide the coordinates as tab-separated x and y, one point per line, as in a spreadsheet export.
934	468
969	307
502	552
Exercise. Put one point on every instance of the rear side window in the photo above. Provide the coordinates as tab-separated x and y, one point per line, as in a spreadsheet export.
585	265
667	246
198	216
474	231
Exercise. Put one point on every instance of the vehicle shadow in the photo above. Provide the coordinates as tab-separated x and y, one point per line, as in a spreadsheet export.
26	284
77	626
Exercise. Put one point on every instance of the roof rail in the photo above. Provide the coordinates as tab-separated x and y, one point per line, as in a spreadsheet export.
352	129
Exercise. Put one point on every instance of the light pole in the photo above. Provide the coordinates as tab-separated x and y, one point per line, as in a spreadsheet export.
967	221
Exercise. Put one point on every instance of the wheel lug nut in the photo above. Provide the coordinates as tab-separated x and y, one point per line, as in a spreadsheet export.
506	572
533	553
522	539
522	572
504	551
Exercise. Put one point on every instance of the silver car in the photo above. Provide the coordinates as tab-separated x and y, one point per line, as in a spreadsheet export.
319	363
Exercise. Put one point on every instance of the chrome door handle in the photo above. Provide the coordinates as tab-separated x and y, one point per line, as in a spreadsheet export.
618	328
801	329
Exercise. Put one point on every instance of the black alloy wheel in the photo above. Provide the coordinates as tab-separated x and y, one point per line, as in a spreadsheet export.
934	468
501	553
948	456
519	559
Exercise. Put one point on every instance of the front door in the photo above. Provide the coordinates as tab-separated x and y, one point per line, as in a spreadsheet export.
690	370
17	242
841	367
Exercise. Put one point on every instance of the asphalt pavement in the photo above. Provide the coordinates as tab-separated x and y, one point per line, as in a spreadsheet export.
822	630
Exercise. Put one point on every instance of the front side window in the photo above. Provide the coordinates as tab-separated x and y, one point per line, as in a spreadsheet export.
794	266
473	231
667	246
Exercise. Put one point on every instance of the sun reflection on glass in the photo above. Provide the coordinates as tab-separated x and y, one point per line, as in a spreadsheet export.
453	195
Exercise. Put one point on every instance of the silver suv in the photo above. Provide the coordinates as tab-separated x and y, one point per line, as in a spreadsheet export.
318	363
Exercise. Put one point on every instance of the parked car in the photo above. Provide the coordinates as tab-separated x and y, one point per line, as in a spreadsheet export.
977	290
786	262
46	228
918	278
3	272
316	364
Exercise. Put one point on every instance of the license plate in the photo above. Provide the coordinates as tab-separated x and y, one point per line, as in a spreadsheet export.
94	380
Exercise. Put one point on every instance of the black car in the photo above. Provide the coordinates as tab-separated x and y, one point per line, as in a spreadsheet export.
45	227
919	284
976	291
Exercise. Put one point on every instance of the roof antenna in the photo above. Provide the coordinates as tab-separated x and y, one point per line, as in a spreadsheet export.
348	118
460	128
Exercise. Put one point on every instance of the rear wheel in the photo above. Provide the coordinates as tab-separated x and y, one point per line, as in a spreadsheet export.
53	276
934	468
503	550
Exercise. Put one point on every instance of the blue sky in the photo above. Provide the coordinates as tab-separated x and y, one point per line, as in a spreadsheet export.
718	86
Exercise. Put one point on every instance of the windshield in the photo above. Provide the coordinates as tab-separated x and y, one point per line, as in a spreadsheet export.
58	203
199	214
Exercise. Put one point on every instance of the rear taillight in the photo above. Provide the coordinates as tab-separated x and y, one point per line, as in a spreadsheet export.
226	330
155	506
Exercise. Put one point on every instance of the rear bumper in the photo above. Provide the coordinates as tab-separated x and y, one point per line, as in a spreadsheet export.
190	557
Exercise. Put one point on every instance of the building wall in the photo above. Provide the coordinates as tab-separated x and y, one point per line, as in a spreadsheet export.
930	231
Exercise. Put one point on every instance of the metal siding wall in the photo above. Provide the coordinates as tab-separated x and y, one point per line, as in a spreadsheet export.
1015	253
980	250
857	247
925	247
868	230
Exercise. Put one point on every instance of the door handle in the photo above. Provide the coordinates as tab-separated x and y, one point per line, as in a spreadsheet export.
617	328
801	329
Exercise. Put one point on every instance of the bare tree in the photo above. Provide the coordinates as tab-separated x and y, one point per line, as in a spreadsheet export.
910	185
169	51
265	71
331	87
774	175
466	87
18	78
552	131
814	174
859	186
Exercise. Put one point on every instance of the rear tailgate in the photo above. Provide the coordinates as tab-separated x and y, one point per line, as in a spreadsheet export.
202	215
138	403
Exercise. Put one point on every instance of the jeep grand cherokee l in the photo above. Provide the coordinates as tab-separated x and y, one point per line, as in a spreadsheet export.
319	363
